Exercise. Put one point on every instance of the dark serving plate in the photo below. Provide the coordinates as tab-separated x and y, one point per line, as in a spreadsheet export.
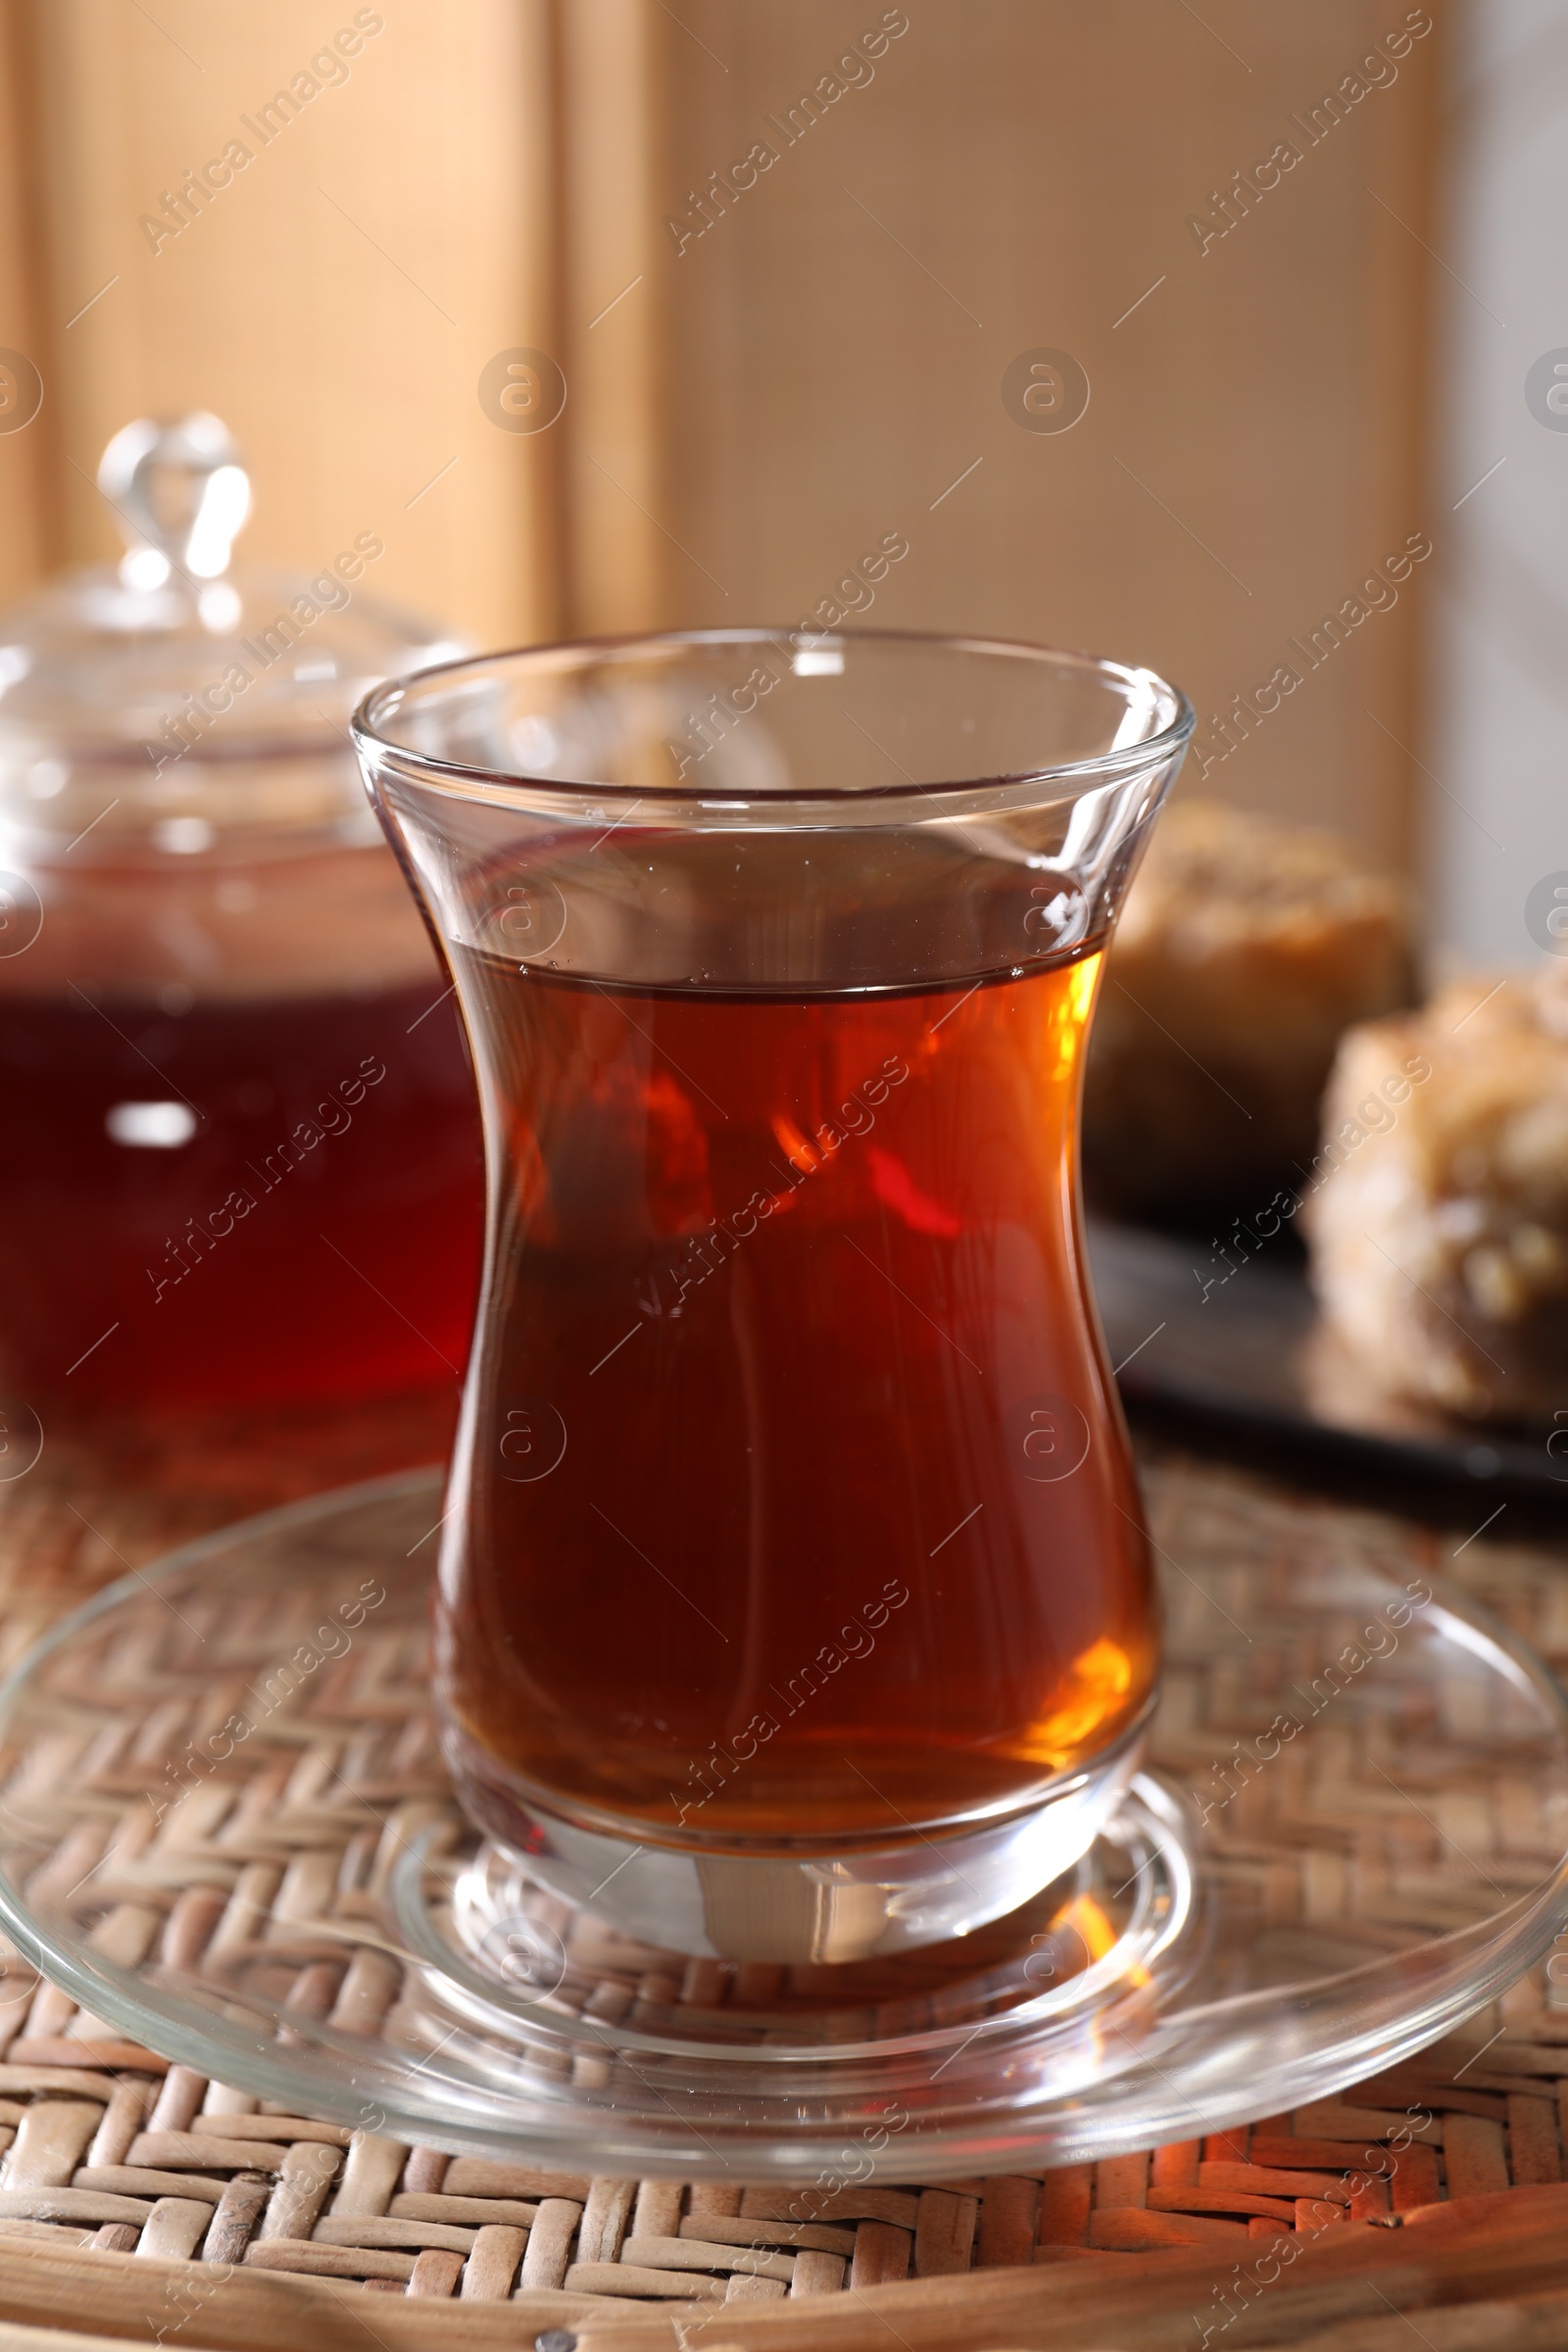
1250	1355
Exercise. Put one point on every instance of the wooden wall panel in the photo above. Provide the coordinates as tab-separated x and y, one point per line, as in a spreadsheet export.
337	301
1024	175
765	379
613	440
28	511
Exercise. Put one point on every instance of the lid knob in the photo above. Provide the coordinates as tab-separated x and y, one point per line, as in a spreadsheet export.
180	493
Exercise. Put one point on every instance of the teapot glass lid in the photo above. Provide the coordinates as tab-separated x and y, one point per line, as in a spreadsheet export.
175	653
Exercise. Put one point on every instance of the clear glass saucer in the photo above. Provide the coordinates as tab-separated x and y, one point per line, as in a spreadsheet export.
226	1831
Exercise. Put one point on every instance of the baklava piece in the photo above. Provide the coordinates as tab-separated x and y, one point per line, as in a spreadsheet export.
1438	1216
1244	950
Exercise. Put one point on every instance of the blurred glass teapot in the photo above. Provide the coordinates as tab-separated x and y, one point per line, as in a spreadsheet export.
241	1157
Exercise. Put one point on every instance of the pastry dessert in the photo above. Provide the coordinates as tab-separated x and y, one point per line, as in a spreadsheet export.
1438	1211
1244	950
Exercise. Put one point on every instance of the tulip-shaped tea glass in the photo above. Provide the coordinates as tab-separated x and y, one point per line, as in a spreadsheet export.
794	1601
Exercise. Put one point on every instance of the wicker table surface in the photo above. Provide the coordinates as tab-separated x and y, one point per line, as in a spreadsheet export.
139	2201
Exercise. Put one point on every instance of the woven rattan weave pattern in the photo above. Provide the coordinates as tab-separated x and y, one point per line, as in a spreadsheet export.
109	2151
108	2148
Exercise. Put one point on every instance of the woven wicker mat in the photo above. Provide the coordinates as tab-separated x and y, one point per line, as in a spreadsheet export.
141	2201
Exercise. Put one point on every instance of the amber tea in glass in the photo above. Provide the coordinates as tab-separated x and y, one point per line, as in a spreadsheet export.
795	1598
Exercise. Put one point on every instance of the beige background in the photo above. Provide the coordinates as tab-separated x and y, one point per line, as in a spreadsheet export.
745	417
335	303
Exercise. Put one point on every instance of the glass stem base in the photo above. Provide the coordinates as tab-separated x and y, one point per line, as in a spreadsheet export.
797	1904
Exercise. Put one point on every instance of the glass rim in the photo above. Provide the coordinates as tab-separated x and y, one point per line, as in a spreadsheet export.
469	779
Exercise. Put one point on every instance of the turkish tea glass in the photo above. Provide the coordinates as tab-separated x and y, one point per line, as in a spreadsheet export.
794	1601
